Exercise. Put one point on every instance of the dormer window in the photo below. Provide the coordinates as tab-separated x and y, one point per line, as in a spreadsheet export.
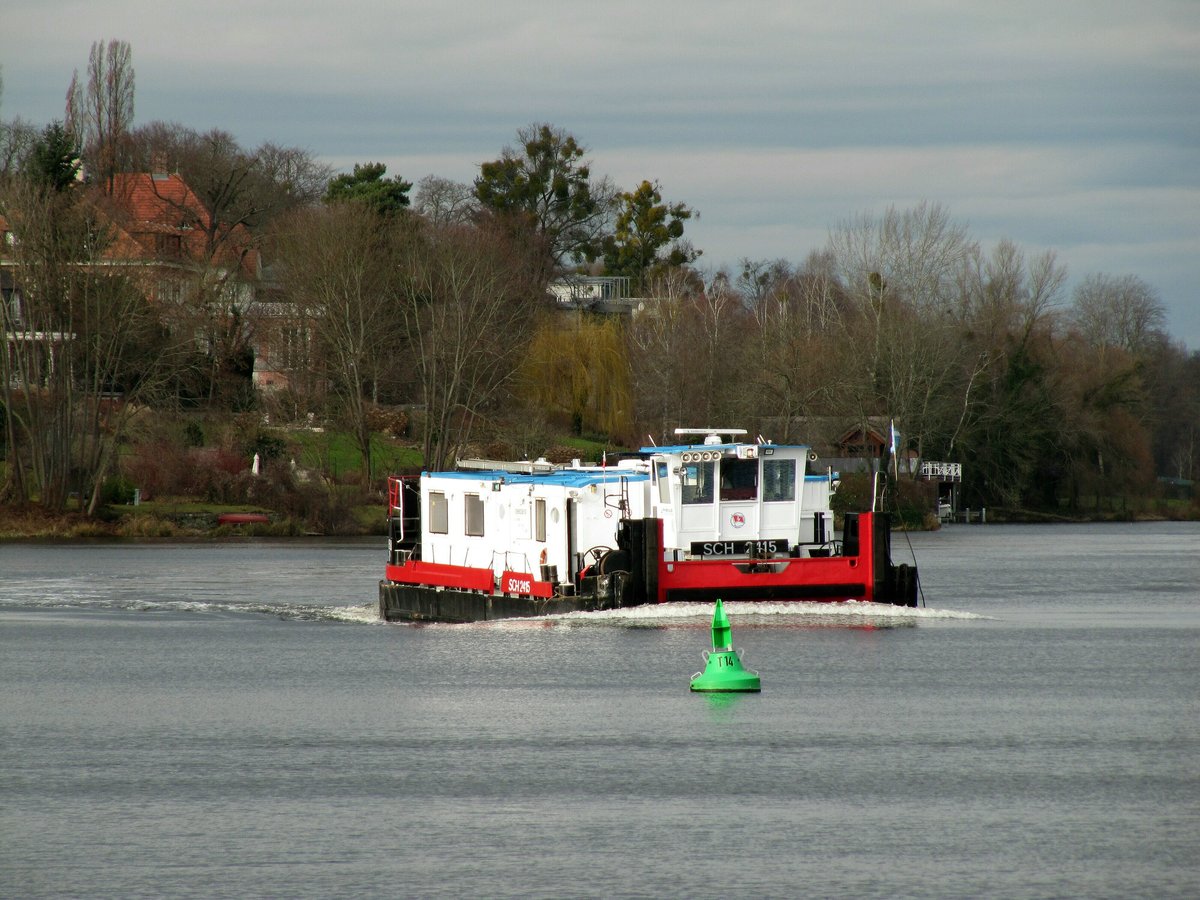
168	245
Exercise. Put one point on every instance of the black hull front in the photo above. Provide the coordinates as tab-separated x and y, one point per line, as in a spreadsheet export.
418	603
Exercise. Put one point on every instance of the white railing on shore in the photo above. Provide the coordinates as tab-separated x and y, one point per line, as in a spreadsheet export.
945	471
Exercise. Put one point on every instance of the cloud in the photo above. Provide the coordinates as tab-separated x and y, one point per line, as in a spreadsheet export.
1068	125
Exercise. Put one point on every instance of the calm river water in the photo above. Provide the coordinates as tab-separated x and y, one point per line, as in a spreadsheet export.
232	720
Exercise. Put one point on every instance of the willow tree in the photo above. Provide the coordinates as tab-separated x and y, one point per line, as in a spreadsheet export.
579	370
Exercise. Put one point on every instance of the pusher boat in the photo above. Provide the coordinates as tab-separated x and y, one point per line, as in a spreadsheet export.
716	516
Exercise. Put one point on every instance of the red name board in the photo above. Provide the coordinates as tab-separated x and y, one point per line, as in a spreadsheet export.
523	583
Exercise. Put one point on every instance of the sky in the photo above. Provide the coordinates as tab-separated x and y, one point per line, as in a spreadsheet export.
1071	125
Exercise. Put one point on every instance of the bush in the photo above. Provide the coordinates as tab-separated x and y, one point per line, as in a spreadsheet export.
117	489
267	446
912	503
853	493
328	511
389	420
193	434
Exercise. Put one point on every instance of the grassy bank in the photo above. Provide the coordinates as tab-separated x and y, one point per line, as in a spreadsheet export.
177	519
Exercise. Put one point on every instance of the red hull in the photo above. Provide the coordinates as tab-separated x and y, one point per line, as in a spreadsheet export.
834	578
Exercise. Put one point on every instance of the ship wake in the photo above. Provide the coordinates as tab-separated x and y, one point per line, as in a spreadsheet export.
76	600
773	614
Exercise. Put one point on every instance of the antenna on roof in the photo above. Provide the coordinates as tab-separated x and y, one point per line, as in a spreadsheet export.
711	435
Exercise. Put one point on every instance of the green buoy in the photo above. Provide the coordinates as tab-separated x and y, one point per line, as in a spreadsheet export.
723	670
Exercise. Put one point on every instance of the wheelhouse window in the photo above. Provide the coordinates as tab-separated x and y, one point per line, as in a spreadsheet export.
739	479
779	479
474	508
664	483
439	513
697	482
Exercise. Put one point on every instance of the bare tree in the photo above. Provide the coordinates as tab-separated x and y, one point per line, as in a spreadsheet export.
795	314
901	274
239	186
1118	311
83	348
16	139
445	202
102	114
660	339
291	178
226	197
470	299
338	268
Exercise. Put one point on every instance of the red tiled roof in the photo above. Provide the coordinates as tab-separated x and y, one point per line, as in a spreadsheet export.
159	200
145	210
149	207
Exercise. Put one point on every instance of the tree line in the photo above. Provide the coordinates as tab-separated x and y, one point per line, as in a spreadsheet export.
433	298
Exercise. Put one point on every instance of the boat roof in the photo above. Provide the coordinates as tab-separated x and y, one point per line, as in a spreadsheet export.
571	478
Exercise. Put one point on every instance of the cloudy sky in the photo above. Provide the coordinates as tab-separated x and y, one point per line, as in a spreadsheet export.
1071	125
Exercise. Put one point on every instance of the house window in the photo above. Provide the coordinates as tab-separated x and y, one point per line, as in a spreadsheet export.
168	245
170	291
779	479
295	348
474	504
11	298
439	513
697	482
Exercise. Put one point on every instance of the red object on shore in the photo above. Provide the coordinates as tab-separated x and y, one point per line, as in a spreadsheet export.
242	519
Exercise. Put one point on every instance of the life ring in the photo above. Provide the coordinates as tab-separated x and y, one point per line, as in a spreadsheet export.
542	557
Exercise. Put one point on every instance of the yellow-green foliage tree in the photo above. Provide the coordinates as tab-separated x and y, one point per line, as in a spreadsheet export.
579	370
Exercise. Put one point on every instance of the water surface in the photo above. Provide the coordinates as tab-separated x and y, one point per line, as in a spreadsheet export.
233	720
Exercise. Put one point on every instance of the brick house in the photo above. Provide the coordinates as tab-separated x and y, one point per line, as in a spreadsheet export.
162	236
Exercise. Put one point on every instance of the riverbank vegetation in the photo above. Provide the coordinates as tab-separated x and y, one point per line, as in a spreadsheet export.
278	339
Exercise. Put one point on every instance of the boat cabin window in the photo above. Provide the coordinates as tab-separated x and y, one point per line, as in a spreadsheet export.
664	483
439	513
739	479
779	479
474	505
697	481
539	520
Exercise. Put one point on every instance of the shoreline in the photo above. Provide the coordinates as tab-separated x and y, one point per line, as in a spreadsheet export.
33	526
